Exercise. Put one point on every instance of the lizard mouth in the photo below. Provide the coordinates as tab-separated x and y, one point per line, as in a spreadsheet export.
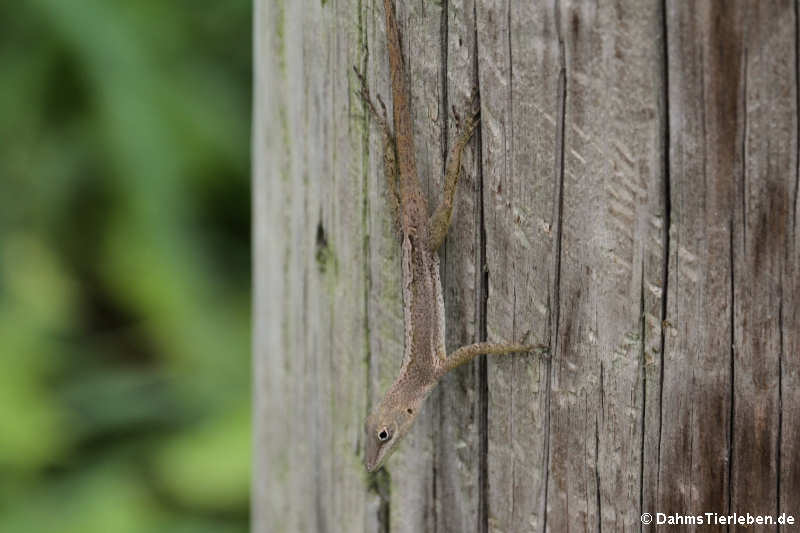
372	467
374	463
377	463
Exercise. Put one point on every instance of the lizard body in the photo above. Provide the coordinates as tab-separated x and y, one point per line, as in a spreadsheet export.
425	359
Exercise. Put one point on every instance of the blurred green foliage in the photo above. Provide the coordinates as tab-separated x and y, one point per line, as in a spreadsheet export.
124	266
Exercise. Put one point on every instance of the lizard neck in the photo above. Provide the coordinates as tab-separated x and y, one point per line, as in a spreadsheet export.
413	385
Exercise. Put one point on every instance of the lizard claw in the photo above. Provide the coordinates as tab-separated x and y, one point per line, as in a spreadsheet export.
460	125
541	350
473	113
411	230
364	92
456	117
359	75
367	98
383	109
473	98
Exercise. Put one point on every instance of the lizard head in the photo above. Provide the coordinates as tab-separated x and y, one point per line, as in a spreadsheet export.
389	422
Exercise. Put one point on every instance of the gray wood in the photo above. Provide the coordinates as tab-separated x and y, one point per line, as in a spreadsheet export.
697	375
576	177
519	65
630	197
311	328
458	445
761	237
733	125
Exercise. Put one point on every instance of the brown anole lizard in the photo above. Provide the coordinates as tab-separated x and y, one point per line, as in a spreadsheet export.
425	360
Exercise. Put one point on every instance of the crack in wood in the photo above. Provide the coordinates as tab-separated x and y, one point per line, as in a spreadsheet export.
642	358
559	209
780	399
667	194
599	502
483	369
797	113
732	370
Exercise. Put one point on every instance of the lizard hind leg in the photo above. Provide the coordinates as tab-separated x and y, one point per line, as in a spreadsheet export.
467	353
440	220
388	141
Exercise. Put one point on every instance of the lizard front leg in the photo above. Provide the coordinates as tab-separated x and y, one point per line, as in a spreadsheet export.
389	145
467	353
440	220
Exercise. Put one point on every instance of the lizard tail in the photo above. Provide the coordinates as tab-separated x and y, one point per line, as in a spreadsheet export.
400	105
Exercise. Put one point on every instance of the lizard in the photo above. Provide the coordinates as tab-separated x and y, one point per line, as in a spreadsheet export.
425	360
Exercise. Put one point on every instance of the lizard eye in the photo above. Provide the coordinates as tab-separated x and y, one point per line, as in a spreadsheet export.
383	436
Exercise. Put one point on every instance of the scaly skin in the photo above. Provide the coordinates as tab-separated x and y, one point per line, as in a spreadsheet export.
425	360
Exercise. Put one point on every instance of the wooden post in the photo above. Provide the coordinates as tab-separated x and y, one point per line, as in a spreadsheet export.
630	198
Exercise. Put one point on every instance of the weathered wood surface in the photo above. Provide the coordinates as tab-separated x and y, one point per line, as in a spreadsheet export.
631	198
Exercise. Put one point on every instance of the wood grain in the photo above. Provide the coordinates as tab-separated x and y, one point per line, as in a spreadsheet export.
458	443
519	81
630	198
